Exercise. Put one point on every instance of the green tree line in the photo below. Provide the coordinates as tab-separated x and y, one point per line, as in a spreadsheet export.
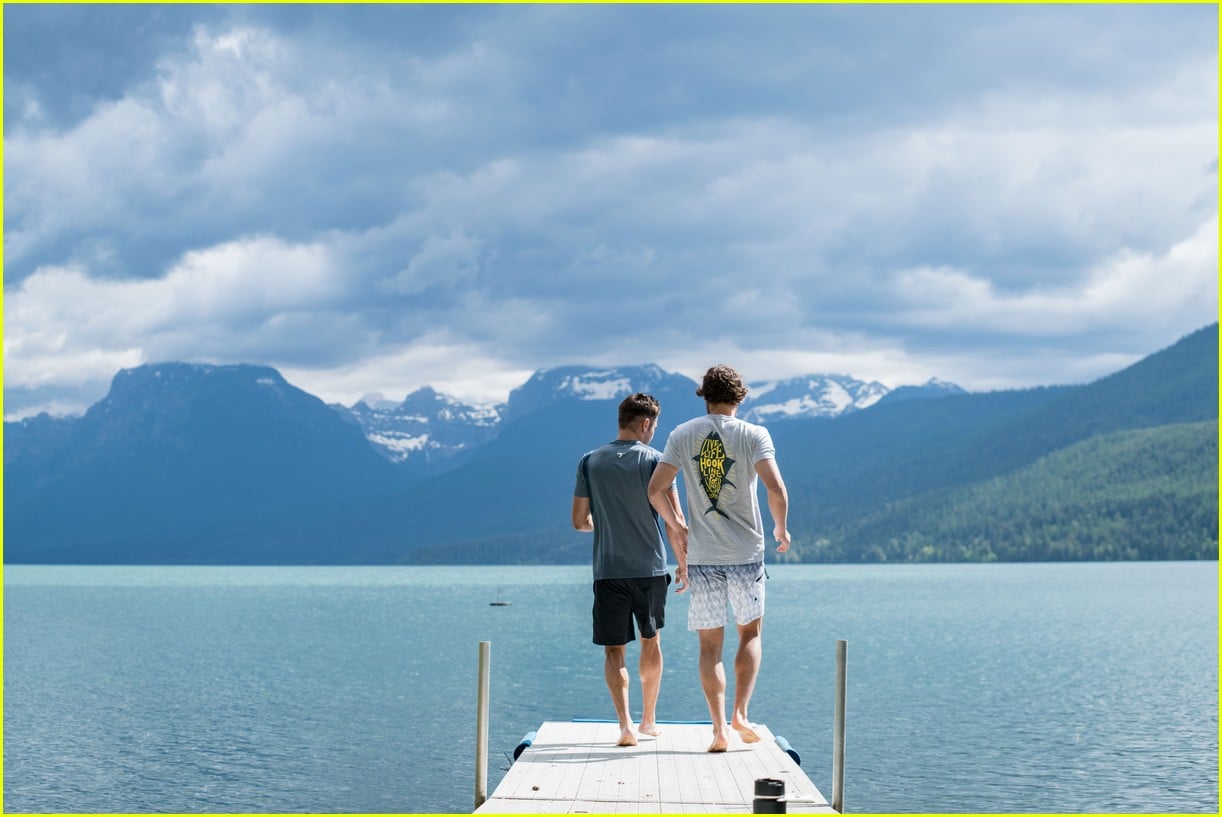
1143	494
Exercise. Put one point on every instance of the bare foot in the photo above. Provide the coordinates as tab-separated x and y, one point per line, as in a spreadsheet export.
720	744
650	729
626	738
745	731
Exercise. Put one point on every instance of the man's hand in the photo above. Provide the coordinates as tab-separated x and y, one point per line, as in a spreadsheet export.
677	534
681	579
782	537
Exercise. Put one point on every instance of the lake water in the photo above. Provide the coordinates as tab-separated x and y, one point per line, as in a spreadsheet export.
1014	688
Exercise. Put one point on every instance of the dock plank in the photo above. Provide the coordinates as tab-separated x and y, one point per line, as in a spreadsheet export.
574	768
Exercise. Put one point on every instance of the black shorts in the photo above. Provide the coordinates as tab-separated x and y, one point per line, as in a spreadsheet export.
618	601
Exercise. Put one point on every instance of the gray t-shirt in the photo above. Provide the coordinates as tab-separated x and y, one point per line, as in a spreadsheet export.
716	454
628	540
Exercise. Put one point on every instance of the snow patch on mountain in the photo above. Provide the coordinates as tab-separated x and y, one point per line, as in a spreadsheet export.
593	388
399	446
427	425
811	396
548	386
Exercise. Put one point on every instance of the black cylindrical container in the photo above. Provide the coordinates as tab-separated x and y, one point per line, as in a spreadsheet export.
769	794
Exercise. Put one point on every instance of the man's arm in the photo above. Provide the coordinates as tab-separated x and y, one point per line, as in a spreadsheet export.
665	500
672	498
672	494
660	490
778	501
582	519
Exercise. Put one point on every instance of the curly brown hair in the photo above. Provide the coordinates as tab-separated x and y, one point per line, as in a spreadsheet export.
722	384
636	406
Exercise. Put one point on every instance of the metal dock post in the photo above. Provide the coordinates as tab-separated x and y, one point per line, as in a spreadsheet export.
838	727
481	725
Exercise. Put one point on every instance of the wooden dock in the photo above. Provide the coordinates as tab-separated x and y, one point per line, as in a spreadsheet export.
576	768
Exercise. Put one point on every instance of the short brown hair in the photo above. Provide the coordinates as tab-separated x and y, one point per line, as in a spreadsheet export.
636	406
722	385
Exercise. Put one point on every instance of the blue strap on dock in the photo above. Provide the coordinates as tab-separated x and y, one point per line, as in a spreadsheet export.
526	741
789	750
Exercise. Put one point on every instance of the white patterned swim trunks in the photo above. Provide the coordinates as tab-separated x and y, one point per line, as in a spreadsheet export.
713	585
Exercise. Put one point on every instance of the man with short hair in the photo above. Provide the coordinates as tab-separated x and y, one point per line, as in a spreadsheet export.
611	499
721	457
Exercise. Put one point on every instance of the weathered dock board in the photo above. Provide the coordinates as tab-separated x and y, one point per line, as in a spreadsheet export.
575	768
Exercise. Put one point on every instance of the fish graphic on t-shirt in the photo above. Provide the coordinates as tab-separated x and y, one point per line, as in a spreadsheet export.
713	465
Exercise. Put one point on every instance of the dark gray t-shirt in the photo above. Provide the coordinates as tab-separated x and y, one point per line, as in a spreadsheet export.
628	540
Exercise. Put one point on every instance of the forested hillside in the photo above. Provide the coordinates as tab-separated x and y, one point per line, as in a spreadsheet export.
1145	494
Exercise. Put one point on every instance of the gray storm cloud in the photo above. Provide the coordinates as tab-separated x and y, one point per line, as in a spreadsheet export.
406	196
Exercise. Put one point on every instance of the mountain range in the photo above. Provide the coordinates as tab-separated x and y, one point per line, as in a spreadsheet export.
189	463
429	429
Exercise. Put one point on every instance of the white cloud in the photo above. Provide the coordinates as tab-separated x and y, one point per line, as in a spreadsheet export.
62	325
451	365
240	132
228	78
1128	291
254	276
889	362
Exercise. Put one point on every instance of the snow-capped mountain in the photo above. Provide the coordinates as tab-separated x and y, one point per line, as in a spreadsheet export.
806	397
548	386
427	426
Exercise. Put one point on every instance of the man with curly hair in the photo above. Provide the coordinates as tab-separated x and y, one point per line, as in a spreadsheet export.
721	458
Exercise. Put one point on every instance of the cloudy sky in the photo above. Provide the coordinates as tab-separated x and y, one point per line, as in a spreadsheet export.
375	198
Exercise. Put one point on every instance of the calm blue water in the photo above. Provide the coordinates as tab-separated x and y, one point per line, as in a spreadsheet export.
1068	687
